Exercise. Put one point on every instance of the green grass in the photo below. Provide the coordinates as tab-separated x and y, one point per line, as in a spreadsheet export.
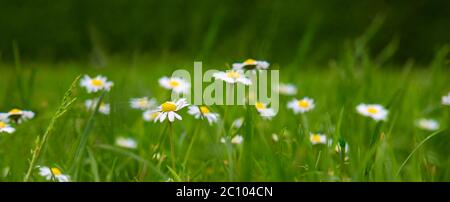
82	143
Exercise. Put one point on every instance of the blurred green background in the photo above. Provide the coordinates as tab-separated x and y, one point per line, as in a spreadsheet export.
280	31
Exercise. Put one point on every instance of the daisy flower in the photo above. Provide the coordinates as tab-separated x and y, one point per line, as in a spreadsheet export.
103	108
301	106
98	83
150	115
266	113
446	99
428	124
19	116
233	76
238	139
53	173
4	116
374	111
287	89
176	84
251	64
142	103
318	138
168	110
5	127
128	143
202	111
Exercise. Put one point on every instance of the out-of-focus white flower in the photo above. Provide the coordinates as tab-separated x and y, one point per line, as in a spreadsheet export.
200	112
287	89
53	173
266	113
168	110
318	139
93	85
233	76
275	137
4	116
446	99
143	103
301	106
92	103
223	140
175	84
5	127
238	139
238	123
251	64
428	124
150	115
19	116
374	111
126	142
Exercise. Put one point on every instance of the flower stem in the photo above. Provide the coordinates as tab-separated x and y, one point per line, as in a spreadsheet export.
172	145
194	136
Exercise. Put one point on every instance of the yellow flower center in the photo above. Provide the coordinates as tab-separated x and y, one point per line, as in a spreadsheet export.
97	82
56	171
204	110
174	83
315	138
15	111
250	62
259	105
168	107
233	74
2	124
303	104
372	110
142	102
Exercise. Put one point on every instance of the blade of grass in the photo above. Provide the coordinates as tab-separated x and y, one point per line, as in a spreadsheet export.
67	101
84	138
416	148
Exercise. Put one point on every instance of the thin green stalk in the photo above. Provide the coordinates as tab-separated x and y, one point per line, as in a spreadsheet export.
416	148
84	138
67	101
194	136
172	145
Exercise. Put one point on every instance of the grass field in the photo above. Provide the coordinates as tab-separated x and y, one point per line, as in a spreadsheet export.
81	144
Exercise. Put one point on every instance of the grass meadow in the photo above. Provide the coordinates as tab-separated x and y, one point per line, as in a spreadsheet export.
81	143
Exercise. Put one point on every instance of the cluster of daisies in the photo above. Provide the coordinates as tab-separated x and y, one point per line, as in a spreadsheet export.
169	110
14	117
94	85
